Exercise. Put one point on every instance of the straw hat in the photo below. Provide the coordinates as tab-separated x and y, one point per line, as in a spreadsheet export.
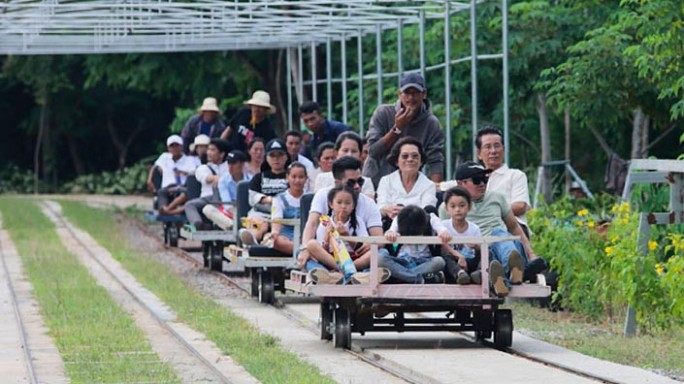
261	99
209	104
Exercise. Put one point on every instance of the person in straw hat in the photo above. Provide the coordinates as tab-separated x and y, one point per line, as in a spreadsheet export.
206	122
251	122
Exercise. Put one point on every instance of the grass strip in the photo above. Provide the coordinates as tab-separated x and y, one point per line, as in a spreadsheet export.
98	341
260	354
661	352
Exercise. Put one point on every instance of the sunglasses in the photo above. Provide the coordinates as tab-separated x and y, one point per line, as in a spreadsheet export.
477	180
351	182
406	156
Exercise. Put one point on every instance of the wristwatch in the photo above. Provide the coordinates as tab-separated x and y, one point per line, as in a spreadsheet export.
396	130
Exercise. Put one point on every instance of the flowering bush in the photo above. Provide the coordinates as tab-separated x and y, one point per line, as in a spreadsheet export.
594	249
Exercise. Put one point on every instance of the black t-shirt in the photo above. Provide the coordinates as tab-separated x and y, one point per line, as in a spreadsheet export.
243	132
268	183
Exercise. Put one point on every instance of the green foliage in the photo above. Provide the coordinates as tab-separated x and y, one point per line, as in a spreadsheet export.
601	269
126	181
16	180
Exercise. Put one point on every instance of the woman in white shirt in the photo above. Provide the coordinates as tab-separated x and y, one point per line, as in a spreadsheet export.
347	144
407	185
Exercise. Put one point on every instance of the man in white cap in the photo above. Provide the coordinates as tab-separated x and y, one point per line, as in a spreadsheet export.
412	116
198	149
175	168
206	122
251	122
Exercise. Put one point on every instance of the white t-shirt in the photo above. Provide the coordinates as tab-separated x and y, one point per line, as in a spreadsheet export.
392	192
166	164
472	231
361	230
417	250
512	183
203	171
308	164
366	209
326	179
278	208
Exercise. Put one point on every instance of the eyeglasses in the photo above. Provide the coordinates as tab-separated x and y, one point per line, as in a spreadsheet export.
351	182
477	180
493	146
406	156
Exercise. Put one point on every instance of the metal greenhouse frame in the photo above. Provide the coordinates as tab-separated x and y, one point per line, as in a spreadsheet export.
36	27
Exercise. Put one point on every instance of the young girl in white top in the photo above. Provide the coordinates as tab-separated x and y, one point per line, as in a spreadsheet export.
462	262
286	206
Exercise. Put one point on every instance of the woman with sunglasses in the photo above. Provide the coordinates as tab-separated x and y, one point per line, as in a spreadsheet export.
407	185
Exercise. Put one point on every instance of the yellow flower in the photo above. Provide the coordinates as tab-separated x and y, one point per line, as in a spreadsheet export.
613	239
652	245
583	212
660	269
624	207
580	223
590	224
609	250
624	221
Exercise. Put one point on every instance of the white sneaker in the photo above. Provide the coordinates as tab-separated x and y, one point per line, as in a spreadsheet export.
322	276
364	277
247	237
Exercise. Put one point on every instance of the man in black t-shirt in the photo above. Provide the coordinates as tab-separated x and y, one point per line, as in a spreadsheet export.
251	122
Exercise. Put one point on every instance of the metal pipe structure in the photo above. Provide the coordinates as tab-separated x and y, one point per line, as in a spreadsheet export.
421	33
473	71
314	73
288	70
328	75
447	86
343	52
504	49
378	53
400	50
300	75
359	64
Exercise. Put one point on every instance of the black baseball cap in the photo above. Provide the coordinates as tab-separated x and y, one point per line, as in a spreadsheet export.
275	145
412	80
469	169
235	156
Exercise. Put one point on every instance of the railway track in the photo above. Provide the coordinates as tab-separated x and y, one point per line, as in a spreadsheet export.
175	338
376	359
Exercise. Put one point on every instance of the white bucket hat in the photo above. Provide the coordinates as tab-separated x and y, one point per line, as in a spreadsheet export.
209	104
261	99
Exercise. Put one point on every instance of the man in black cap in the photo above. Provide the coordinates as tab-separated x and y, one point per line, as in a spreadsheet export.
208	176
223	215
492	213
411	115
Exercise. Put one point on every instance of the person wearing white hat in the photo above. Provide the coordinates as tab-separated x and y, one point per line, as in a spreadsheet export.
175	168
198	149
207	122
251	122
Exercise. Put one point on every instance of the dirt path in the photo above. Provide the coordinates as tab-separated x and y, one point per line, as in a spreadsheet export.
190	354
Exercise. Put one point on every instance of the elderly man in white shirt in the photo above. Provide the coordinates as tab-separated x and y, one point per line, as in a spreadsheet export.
510	182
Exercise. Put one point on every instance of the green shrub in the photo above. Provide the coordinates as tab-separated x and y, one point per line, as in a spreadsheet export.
16	180
130	180
601	270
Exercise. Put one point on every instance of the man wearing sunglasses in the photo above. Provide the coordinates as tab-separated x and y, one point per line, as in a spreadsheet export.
346	170
492	213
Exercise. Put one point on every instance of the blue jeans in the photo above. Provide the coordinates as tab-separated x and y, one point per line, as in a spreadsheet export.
402	270
502	250
312	263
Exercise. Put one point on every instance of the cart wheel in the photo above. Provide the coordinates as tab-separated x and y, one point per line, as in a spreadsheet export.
217	256
255	282
503	328
326	320
266	287
342	335
206	253
173	236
